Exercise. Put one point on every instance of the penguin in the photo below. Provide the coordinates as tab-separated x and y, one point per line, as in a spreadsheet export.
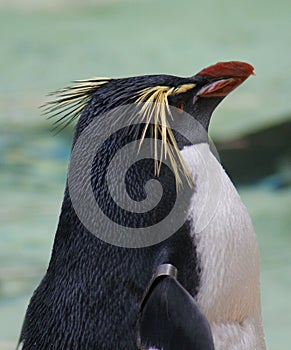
195	288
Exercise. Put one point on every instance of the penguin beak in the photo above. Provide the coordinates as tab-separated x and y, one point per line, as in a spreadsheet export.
223	78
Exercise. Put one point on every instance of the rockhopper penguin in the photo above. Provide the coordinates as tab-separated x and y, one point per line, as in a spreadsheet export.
196	288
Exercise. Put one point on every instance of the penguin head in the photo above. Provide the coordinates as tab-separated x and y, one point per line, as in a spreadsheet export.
197	96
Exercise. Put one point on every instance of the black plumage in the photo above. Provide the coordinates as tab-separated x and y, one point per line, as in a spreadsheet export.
90	296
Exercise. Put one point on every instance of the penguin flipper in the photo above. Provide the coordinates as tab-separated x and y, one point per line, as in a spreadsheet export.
170	319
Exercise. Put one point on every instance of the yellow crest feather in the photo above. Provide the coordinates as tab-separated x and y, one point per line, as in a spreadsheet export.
71	101
156	110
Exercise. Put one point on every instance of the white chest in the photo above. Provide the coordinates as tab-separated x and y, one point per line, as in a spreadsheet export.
229	292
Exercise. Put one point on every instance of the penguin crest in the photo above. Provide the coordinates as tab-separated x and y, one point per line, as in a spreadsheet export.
154	112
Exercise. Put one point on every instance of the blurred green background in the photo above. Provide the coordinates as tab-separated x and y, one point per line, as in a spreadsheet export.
46	44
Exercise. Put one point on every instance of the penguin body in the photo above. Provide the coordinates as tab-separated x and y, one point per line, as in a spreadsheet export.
227	250
93	294
97	307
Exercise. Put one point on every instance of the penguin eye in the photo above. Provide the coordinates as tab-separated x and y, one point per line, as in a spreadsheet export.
180	105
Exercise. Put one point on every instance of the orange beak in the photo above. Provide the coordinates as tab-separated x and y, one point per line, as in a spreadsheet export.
224	77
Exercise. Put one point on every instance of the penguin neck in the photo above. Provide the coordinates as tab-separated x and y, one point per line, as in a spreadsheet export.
202	109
